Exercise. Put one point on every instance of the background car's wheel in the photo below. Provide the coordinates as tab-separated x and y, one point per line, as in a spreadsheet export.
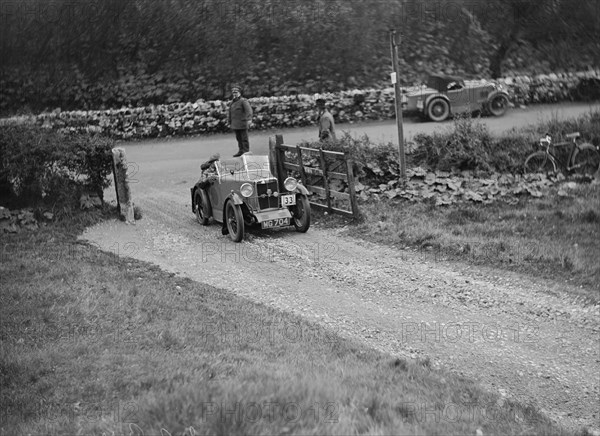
538	162
438	109
498	105
586	160
301	213
202	207
235	221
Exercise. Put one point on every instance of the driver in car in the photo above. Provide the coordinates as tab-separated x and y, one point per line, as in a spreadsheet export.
209	170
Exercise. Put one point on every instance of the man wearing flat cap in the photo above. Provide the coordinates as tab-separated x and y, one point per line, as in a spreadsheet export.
240	116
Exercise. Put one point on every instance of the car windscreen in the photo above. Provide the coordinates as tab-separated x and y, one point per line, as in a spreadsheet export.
252	167
257	167
230	166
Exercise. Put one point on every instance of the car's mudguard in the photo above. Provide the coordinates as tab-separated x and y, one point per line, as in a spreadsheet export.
235	198
431	97
496	92
193	190
301	189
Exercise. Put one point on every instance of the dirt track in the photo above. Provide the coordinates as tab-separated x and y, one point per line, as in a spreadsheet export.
519	336
515	335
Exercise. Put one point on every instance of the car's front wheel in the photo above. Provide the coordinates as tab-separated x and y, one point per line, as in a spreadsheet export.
235	221
301	214
498	105
201	206
438	110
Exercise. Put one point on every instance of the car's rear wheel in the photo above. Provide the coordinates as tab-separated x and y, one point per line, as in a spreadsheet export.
498	105
438	110
235	221
202	207
301	213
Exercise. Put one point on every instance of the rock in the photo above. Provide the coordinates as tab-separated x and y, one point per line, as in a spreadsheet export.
4	213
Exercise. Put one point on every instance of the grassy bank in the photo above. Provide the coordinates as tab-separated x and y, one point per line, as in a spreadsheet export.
555	236
92	343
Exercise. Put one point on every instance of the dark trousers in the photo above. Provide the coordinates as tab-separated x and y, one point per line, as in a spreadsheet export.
242	138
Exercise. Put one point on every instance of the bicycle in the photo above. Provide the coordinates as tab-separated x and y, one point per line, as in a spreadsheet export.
584	158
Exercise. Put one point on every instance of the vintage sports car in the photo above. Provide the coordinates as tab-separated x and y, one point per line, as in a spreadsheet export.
447	95
242	192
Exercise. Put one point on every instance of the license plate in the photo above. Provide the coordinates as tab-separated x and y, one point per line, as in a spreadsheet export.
279	222
288	200
419	104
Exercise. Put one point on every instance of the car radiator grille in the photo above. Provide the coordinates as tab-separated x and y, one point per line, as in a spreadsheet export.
266	201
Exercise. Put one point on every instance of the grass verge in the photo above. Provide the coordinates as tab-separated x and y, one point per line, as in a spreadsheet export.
555	236
95	344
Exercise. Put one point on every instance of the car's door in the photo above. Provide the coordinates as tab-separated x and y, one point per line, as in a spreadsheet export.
218	191
482	93
459	96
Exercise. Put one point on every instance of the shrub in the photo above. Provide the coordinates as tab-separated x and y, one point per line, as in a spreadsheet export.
41	166
588	125
467	146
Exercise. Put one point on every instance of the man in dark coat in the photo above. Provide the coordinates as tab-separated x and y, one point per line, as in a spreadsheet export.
240	116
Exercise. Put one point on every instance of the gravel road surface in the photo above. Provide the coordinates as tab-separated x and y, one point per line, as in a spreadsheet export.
520	336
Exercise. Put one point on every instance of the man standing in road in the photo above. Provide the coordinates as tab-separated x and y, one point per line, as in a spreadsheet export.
240	117
326	124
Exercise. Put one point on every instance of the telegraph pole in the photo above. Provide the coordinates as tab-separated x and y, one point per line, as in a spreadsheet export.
397	97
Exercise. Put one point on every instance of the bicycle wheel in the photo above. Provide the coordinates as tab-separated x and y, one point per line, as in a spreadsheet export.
586	160
539	162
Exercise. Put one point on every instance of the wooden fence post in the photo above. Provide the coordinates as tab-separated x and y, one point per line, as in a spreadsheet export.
351	188
124	201
300	165
281	172
273	157
325	178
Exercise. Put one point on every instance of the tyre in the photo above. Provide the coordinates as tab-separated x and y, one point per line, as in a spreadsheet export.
202	207
539	162
235	221
301	214
586	160
438	110
498	105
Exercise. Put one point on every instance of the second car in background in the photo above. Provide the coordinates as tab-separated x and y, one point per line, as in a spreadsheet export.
444	96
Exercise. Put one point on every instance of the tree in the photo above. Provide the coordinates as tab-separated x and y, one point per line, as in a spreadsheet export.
541	23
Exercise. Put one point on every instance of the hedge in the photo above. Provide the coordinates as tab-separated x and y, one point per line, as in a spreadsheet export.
41	167
201	117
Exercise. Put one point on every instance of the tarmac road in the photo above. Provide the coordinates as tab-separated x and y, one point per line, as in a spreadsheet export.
161	157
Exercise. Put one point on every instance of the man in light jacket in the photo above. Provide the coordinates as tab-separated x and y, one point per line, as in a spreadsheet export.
326	123
240	116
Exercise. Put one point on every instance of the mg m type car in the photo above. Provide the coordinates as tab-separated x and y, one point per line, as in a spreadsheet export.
446	95
243	192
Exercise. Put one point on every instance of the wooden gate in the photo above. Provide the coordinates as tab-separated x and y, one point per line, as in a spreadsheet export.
326	173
